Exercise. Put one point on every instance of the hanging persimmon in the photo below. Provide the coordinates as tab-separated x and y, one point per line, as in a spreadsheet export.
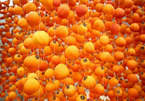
132	64
108	9
81	10
72	52
28	7
61	71
63	11
70	90
82	29
81	97
41	38
132	92
61	32
89	82
104	39
33	19
89	47
31	86
12	96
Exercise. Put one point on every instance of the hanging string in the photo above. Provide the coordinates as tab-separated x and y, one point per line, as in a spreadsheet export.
118	34
85	42
103	47
67	41
143	16
142	29
104	19
54	32
39	57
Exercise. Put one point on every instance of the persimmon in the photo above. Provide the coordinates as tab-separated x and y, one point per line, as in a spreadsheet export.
132	92
28	7
119	13
72	52
115	28
61	71
57	49
89	47
82	29
132	78
12	96
63	11
113	82
61	31
49	87
31	84
81	10
132	64
33	19
18	10
108	9
89	82
70	90
120	41
104	39
119	55
99	71
99	89
43	35
21	71
81	97
118	92
98	25
134	27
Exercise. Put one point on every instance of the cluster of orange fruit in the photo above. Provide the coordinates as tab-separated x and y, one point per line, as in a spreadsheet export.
72	50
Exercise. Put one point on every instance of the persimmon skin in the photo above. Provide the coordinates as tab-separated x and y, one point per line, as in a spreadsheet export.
28	84
88	79
108	9
61	32
28	7
99	89
120	41
119	13
33	19
132	92
115	28
132	64
119	55
104	40
98	25
18	10
12	96
134	27
81	10
63	11
70	54
58	70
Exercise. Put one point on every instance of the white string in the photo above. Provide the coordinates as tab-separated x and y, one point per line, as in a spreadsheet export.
67	39
142	28
118	34
38	56
103	47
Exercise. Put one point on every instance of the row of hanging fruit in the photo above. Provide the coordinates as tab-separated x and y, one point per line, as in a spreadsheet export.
72	50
